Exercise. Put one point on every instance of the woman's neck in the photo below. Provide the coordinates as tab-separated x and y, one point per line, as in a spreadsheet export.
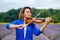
26	20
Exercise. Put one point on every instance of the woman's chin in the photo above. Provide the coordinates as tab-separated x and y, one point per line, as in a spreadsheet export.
29	17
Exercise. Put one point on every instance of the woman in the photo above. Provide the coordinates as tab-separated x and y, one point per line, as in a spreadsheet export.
26	31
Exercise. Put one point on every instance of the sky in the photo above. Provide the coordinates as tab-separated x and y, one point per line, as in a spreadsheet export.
6	5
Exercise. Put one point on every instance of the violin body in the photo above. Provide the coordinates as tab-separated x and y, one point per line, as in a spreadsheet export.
33	20
28	20
38	20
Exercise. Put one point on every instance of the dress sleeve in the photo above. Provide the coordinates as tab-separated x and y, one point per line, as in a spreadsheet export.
36	31
8	24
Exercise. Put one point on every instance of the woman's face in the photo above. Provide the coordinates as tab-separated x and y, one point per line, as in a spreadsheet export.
27	13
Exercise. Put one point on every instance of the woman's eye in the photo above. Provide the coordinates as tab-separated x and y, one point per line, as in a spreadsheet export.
27	12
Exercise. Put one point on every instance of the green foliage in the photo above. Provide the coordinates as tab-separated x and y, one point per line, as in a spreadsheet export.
13	14
9	15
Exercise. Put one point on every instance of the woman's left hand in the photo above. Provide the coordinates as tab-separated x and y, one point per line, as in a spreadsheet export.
48	19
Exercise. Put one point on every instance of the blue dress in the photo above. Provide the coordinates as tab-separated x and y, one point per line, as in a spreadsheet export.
30	30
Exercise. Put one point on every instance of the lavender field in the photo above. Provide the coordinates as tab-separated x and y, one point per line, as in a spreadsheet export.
52	32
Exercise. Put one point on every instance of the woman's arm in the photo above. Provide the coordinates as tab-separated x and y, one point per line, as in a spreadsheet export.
45	24
13	26
21	26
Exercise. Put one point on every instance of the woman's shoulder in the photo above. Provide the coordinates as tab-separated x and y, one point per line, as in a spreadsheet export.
18	20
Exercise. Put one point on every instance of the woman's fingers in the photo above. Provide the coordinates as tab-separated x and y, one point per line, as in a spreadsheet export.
25	25
21	26
48	19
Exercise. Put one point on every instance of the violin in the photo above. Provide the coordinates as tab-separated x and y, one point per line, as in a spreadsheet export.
35	20
38	20
54	21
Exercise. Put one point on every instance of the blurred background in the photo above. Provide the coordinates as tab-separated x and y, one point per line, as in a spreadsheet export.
10	9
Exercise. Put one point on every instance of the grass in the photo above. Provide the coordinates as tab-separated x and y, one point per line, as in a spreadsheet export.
37	23
3	22
54	23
